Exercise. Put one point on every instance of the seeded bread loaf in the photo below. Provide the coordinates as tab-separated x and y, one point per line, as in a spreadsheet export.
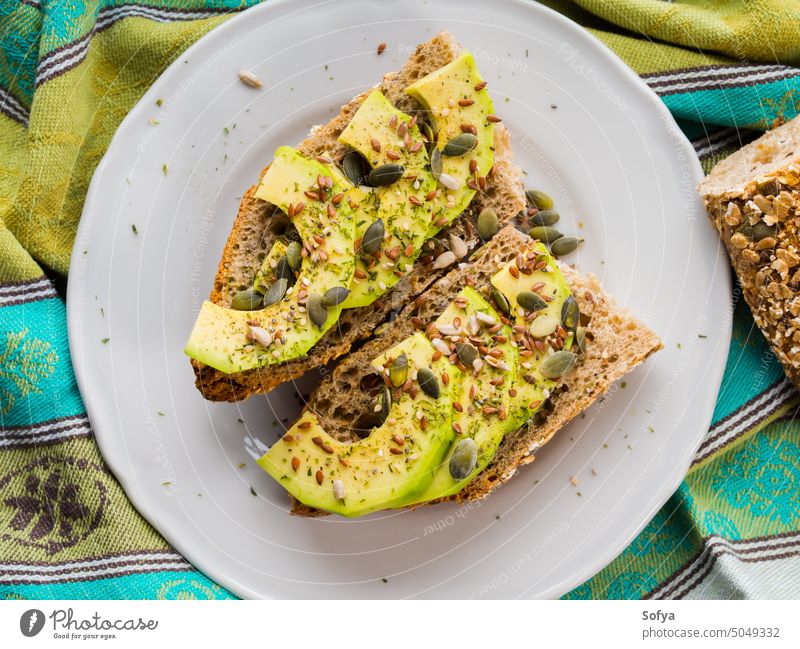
251	239
617	344
752	199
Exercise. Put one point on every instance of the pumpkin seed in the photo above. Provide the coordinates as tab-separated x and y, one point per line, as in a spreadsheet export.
276	291
466	353
355	167
386	404
317	311
293	255
530	301
427	131
283	270
557	364
570	314
248	300
544	233
565	245
464	458
398	371
373	237
436	163
500	300
758	231
335	295
460	144
487	223
544	325
538	199
545	217
385	174
580	339
427	381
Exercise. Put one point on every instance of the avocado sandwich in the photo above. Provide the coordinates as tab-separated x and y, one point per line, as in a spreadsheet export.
390	240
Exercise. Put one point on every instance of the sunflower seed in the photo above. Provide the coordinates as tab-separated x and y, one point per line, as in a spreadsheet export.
545	217
444	260
373	237
458	246
570	314
317	312
250	79
530	301
335	295
557	364
487	223
460	145
385	174
261	336
466	353
485	318
500	300
441	346
276	291
451	182
544	325
294	255
427	381
398	372
565	245
339	492
355	167
544	233
538	199
464	458
247	300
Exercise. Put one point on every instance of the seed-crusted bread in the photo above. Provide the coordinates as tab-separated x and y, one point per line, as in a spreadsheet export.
617	343
251	238
752	198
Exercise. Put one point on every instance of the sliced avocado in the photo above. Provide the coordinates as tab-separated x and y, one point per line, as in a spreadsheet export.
223	338
376	132
446	94
393	464
483	397
533	389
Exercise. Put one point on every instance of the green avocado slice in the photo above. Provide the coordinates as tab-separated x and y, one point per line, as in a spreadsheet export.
457	99
393	464
223	338
382	134
484	397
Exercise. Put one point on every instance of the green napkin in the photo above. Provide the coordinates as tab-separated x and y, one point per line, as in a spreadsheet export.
69	72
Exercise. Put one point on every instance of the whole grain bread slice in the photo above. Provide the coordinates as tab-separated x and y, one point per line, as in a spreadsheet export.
617	343
250	238
753	200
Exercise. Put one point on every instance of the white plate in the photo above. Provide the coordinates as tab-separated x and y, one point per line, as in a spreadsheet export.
585	129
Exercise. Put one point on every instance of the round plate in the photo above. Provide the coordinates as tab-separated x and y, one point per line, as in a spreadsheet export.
584	128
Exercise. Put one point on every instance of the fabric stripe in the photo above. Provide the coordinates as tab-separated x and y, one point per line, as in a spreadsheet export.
11	107
707	146
749	550
716	78
48	432
65	58
16	288
755	411
40	289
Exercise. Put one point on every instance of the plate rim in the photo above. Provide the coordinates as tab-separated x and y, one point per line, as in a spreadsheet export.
204	562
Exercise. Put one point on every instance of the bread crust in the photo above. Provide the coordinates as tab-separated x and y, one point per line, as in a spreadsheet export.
618	342
753	201
250	238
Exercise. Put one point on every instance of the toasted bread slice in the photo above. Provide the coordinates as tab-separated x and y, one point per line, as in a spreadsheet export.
251	239
617	343
753	199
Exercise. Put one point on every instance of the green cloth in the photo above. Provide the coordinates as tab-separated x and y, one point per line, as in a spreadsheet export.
69	72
